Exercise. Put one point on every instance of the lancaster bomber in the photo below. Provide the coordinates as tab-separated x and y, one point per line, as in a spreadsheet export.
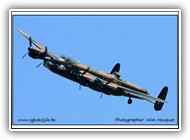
107	83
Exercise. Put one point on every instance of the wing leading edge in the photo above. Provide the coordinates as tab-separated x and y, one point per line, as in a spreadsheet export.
34	42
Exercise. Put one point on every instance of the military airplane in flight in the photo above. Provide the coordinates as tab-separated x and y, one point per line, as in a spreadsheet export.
107	83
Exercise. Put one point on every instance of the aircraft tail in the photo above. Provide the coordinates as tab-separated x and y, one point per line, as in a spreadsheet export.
158	105
116	68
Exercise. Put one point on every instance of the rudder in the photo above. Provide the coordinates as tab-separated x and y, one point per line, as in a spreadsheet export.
158	105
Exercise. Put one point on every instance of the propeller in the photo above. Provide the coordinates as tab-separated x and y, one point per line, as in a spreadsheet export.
82	76
30	45
30	41
45	55
39	65
101	95
78	77
79	86
24	55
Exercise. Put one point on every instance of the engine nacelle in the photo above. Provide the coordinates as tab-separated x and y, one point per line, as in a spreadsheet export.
36	55
49	65
33	55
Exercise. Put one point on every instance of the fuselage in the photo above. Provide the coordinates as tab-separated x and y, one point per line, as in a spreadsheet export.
108	83
95	79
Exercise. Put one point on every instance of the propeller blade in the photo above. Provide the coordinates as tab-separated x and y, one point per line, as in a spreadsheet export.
101	95
39	65
79	86
45	53
24	55
30	41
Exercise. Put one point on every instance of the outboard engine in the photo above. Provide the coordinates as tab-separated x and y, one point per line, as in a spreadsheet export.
33	55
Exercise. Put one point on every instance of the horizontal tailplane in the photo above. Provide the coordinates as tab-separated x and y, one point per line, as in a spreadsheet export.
158	105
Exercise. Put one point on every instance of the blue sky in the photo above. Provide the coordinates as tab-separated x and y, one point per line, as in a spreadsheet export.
145	46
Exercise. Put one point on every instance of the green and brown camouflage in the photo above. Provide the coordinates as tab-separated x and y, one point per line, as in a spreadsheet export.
107	77
108	83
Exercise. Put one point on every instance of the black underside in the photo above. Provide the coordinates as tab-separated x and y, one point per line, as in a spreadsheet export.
96	85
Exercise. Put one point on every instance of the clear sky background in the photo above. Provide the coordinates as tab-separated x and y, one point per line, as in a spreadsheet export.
145	46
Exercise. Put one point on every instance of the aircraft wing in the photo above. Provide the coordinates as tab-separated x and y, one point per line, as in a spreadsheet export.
130	91
142	95
36	44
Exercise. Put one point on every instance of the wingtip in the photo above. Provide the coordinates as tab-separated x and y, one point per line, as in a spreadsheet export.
19	30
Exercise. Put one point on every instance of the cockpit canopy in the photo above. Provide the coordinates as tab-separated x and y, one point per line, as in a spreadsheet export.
69	60
117	75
